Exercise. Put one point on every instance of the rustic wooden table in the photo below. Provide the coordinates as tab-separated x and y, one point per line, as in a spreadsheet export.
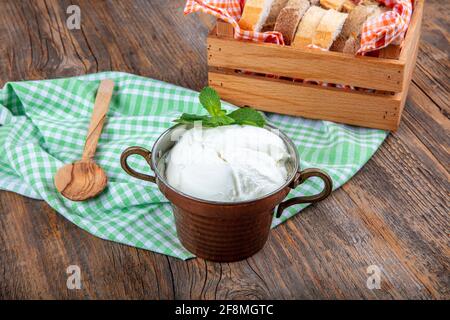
393	214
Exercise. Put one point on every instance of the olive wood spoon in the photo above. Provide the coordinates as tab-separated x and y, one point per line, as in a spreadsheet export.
84	179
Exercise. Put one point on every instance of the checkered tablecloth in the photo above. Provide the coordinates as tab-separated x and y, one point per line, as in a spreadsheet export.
43	126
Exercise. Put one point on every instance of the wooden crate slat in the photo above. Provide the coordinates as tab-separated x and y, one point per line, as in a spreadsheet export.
411	50
224	29
315	102
332	67
412	37
391	52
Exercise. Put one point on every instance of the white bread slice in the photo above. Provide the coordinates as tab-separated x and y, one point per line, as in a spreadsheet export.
308	26
275	9
255	14
329	28
289	18
332	4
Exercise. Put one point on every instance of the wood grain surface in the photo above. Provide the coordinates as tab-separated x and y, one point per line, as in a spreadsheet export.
85	179
394	213
373	110
300	63
99	113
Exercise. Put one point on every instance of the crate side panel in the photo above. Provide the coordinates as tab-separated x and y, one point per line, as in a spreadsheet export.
315	102
411	51
331	67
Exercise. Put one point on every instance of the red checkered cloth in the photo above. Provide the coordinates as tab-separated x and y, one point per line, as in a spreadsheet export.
389	27
230	11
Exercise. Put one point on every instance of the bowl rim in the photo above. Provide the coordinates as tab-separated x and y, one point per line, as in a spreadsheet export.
162	179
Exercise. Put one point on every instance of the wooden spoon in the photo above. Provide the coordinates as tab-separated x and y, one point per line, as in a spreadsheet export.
84	179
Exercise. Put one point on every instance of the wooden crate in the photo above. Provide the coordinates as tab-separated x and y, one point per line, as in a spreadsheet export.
260	75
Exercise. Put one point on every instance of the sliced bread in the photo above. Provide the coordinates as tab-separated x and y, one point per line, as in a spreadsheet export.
329	28
255	14
308	26
332	4
289	18
275	9
352	25
353	43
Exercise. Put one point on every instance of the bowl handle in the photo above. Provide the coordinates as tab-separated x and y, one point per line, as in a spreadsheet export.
301	177
146	154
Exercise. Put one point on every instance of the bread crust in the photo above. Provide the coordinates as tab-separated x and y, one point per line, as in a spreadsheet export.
332	4
252	14
349	41
352	45
289	18
352	26
249	18
308	26
275	9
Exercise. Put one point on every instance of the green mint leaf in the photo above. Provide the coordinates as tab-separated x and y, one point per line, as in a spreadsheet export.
187	118
248	116
210	100
209	123
223	120
218	121
192	117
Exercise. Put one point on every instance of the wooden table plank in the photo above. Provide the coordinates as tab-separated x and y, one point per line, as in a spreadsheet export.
433	64
394	213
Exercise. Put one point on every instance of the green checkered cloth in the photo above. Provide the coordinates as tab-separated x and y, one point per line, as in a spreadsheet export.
43	126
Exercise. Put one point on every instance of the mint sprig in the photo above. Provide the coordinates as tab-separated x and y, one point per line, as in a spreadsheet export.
210	100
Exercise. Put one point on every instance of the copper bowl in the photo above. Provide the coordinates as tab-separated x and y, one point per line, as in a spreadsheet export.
224	231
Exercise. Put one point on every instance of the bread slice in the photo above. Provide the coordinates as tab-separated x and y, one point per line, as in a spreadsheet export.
352	25
332	4
368	2
289	18
329	28
353	43
275	9
348	6
378	10
255	14
308	26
